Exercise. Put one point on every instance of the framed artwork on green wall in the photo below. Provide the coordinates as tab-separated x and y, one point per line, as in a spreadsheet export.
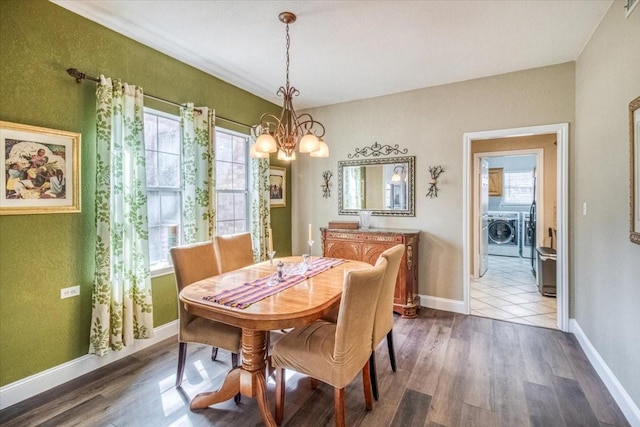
41	170
278	187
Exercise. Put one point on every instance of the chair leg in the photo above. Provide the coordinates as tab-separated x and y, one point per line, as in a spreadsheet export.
234	364
392	353
279	395
373	374
366	385
234	360
338	402
214	353
182	358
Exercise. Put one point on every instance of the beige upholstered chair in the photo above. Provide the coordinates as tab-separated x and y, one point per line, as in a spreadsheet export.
234	251
334	352
193	263
383	324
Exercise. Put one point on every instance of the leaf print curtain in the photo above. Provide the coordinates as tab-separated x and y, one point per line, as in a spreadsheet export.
198	174
121	301
260	207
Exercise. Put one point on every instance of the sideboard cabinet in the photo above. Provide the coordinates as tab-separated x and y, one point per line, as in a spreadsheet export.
367	245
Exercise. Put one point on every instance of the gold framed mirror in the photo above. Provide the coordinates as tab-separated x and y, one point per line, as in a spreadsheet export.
634	163
383	186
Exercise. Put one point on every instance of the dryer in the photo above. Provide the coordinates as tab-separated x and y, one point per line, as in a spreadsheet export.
504	233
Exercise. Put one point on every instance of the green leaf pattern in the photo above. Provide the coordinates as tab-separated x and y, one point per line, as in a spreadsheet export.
260	207
198	174
121	303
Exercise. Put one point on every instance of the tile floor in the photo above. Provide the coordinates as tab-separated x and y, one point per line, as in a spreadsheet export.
508	291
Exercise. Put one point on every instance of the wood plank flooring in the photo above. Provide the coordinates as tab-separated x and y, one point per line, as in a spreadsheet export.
453	370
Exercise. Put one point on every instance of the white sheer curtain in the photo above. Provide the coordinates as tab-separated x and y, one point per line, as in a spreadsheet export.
121	302
198	173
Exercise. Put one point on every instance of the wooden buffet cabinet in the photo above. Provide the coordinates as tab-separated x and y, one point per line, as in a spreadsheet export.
367	245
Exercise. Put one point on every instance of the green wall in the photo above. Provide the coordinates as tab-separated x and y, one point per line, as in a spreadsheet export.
43	253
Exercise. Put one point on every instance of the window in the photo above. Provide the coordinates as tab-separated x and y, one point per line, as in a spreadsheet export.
162	149
232	182
162	140
518	188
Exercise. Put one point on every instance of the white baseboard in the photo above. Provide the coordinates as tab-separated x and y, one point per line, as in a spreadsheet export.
445	304
35	384
619	394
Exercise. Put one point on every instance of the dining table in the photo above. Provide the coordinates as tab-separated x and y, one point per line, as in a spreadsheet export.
313	294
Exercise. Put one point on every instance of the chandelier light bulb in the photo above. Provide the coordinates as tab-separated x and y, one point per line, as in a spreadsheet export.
256	154
322	151
266	143
283	156
309	143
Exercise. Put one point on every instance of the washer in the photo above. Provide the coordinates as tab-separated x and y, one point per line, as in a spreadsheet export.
504	233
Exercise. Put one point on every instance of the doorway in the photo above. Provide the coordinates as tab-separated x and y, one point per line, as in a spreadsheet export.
504	283
512	139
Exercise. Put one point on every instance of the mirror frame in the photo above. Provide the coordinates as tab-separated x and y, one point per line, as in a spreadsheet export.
410	160
634	175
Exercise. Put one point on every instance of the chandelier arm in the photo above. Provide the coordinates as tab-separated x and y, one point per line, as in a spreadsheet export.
306	123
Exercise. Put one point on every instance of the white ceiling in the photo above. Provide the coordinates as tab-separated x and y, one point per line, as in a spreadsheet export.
348	50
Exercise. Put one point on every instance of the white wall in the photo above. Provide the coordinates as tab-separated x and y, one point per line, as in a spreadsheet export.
606	265
430	123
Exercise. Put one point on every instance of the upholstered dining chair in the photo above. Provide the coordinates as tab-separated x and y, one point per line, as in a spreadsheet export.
334	353
234	251
192	263
383	323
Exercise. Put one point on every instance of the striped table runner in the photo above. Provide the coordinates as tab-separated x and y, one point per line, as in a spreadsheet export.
245	295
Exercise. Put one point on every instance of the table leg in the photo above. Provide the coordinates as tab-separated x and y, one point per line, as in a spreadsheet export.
248	380
230	387
252	378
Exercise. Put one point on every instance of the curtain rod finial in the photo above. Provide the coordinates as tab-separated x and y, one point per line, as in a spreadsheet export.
73	72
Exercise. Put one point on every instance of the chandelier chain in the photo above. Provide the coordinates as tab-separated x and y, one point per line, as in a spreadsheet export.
288	44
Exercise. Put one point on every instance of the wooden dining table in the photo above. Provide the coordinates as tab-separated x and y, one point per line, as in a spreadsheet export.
295	306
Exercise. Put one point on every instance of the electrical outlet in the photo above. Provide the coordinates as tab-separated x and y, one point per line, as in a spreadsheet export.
73	291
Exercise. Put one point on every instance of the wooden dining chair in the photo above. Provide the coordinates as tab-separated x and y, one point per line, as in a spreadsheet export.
334	353
234	251
383	323
193	263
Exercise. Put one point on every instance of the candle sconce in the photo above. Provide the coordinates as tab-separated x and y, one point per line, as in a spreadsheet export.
435	172
326	190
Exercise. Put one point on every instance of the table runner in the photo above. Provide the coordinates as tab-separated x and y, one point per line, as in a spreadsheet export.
248	293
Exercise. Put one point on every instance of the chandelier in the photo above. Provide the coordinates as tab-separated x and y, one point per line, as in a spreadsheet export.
289	131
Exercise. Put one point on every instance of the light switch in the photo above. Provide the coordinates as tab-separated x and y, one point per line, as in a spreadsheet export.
584	208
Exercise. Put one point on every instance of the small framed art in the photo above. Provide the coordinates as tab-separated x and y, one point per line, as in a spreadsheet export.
278	187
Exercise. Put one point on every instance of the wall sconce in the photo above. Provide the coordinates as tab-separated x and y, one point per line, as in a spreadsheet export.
326	190
435	172
398	172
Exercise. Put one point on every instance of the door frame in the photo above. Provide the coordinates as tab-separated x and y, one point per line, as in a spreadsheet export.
562	199
539	153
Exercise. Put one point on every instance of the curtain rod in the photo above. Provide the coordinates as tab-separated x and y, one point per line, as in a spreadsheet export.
79	76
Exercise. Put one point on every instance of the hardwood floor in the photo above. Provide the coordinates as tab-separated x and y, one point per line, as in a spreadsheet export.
453	370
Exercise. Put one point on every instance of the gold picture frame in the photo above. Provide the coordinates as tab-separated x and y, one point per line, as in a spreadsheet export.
41	170
278	187
634	172
495	182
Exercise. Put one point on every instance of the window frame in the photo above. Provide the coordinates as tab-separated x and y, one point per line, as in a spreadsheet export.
507	188
247	189
163	269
